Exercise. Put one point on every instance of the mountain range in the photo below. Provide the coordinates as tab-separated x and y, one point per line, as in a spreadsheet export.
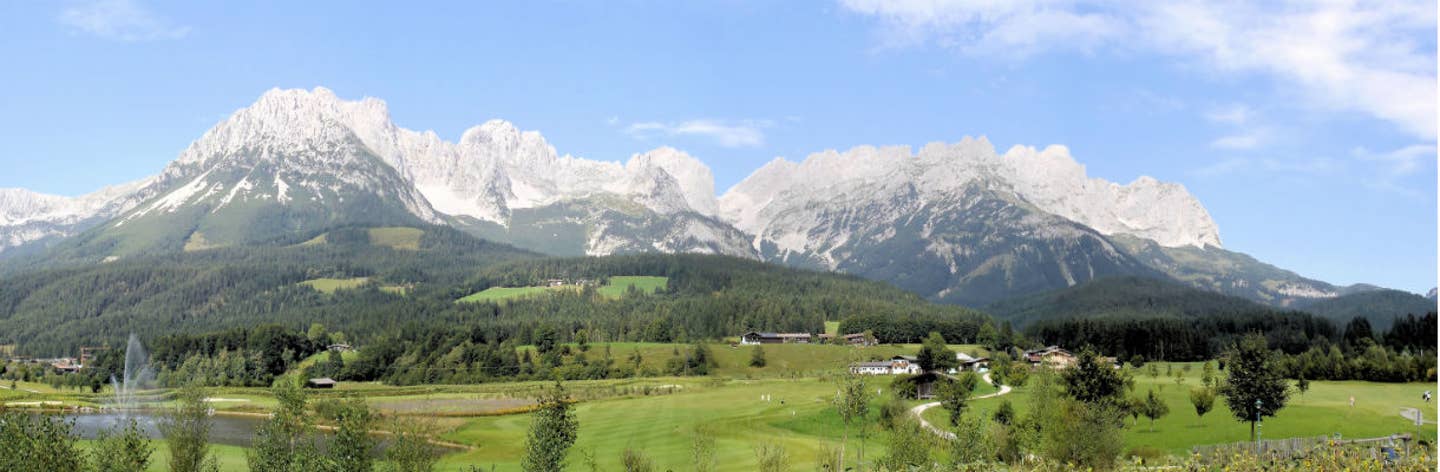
958	223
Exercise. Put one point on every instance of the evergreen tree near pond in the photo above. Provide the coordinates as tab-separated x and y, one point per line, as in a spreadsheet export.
124	449
186	429
38	443
286	441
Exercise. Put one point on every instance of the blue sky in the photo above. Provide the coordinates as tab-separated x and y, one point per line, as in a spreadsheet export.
1308	131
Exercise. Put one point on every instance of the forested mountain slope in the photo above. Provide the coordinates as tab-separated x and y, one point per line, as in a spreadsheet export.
1134	297
1380	307
393	281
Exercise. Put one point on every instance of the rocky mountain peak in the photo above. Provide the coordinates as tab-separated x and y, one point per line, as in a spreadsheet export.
1050	179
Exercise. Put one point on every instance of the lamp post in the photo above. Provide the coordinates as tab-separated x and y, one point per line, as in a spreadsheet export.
1258	425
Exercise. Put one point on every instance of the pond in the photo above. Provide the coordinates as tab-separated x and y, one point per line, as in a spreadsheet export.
229	430
225	429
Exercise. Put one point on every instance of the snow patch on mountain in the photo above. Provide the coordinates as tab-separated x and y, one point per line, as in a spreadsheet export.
493	168
779	201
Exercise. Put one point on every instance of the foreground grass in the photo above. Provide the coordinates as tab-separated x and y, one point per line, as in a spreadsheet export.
1323	410
659	416
798	416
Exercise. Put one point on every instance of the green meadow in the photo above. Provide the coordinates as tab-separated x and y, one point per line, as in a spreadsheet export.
615	287
660	415
1323	410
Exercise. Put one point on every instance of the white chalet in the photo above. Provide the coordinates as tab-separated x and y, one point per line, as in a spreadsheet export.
895	366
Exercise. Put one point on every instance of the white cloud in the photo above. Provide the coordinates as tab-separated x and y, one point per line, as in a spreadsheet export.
1237	141
123	20
1017	27
742	134
1271	166
1403	161
1371	56
1233	114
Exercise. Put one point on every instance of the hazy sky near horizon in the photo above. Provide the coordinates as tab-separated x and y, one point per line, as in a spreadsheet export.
1308	131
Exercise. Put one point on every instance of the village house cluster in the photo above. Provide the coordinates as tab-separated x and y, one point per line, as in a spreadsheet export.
754	337
1052	357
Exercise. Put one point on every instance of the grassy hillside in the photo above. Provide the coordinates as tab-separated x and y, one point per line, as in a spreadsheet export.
1380	307
614	287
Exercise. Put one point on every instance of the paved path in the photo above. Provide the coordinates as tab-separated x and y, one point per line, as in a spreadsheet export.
1411	413
1004	389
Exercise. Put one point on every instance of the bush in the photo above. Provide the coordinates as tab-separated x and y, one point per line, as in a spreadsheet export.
892	412
771	457
904	387
122	450
635	461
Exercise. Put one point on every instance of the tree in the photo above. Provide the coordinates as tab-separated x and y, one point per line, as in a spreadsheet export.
351	447
757	356
1016	374
852	401
553	430
1302	385
122	450
1137	361
186	429
909	446
316	333
1358	334
954	395
410	449
1203	398
1207	374
40	443
971	444
1093	381
284	442
935	354
1255	387
1154	408
1005	413
582	339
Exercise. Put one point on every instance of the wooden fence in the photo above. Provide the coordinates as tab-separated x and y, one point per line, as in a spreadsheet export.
1292	447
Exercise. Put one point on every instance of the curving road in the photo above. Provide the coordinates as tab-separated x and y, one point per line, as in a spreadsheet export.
1411	413
1004	389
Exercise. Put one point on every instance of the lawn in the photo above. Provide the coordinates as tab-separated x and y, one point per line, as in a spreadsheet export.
329	285
396	237
617	287
798	416
495	294
659	415
1323	410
